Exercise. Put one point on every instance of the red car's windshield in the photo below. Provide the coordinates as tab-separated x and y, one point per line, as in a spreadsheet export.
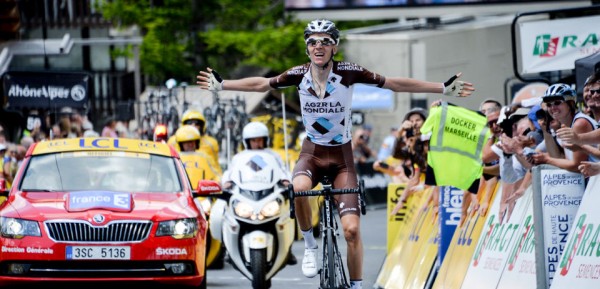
112	171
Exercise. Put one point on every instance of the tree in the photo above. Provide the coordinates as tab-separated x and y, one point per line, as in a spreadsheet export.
183	36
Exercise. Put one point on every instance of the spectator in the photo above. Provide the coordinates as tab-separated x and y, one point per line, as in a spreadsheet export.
360	146
387	145
110	128
561	102
88	130
490	105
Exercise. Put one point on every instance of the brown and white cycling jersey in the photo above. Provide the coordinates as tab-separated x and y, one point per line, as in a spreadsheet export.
327	120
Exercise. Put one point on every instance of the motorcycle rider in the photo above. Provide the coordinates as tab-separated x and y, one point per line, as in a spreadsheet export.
208	144
256	137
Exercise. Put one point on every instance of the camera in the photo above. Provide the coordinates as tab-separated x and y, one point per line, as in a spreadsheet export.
384	165
527	151
410	133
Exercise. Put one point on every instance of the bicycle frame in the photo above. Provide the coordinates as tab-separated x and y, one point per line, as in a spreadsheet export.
332	272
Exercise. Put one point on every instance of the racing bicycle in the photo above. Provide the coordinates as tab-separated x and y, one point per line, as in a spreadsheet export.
332	272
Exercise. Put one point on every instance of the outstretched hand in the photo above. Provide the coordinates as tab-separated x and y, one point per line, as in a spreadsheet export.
568	135
210	80
458	88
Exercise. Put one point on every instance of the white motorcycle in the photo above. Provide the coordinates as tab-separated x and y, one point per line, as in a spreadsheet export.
254	220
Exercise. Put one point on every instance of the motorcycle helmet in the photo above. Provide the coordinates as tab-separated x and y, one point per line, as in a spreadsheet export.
255	129
187	133
322	26
193	116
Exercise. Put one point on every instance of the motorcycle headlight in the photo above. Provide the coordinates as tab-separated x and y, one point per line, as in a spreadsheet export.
18	228
178	229
243	210
271	209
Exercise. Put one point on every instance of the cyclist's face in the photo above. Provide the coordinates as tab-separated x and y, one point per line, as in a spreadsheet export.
320	48
188	146
257	143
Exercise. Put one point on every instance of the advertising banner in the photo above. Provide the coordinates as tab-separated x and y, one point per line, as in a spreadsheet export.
46	90
551	45
579	265
451	200
399	241
557	197
394	222
420	231
519	273
497	240
457	259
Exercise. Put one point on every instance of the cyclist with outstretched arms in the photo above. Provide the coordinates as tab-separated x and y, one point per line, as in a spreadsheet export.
325	90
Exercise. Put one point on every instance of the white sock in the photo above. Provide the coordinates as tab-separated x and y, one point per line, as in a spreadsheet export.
309	239
355	284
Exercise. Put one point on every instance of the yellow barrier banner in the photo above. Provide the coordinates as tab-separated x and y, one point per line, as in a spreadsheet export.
411	242
394	223
410	211
427	254
457	259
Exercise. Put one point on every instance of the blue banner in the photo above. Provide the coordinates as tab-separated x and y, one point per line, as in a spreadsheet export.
451	199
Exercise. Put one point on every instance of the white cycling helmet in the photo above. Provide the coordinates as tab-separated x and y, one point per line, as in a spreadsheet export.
560	90
255	129
322	26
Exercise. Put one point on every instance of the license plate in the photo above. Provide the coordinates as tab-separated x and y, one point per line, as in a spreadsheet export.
98	253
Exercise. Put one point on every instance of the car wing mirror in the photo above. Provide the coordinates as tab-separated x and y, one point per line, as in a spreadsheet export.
207	188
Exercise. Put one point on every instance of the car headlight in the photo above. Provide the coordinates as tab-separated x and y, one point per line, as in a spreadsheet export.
242	209
178	229
270	209
18	228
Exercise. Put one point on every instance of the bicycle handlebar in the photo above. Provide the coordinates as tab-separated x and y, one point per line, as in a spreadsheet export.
328	191
324	192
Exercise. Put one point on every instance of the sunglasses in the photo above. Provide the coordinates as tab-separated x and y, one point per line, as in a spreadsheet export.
554	103
596	91
325	41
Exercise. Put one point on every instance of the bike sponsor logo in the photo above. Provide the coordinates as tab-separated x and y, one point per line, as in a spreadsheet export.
30	250
76	92
171	251
547	45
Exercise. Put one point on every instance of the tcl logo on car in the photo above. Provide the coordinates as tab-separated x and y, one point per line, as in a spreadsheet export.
171	251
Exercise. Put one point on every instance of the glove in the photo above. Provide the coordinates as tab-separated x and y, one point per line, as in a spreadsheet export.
453	87
215	81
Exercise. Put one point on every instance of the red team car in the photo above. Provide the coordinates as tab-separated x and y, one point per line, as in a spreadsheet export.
102	209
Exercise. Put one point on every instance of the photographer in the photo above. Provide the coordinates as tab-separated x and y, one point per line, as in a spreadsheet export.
360	145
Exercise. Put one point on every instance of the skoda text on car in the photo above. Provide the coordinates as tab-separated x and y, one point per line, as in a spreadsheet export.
102	209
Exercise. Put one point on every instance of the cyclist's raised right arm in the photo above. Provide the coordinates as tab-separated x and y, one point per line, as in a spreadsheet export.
211	80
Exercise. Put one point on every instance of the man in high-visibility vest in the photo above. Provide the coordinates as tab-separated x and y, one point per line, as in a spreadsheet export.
455	148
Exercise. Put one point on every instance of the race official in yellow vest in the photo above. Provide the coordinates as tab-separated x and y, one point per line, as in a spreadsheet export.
456	145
